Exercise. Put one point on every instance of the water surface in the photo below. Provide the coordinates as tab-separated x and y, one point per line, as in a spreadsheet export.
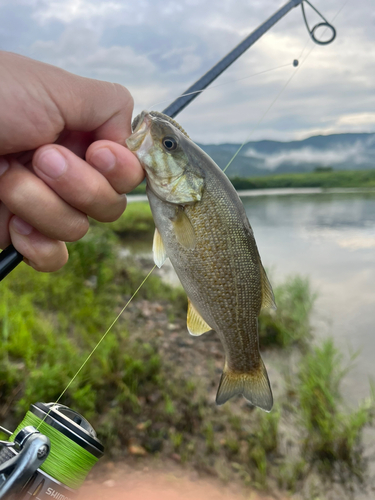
329	237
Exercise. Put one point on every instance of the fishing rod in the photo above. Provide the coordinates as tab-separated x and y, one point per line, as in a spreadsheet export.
54	448
10	257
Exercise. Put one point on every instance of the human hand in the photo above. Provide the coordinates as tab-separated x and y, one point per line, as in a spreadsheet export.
61	157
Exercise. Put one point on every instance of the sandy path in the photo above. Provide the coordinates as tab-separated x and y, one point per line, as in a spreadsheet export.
122	482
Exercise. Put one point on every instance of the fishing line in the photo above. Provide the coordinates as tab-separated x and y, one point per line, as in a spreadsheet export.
310	38
261	119
304	48
328	26
98	344
221	84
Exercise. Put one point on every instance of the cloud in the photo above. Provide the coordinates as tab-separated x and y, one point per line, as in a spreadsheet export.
69	11
78	50
158	48
357	119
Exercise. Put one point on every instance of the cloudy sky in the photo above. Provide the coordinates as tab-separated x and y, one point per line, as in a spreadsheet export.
158	48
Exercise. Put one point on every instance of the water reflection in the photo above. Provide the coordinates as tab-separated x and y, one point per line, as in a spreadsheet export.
331	239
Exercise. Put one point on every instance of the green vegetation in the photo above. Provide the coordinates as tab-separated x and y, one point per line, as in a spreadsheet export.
136	221
323	179
141	189
49	323
149	384
290	323
332	436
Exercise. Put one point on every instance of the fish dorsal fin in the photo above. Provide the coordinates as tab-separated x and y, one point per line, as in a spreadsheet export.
268	298
183	230
158	249
195	323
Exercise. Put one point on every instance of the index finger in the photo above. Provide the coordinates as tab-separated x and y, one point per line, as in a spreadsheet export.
42	101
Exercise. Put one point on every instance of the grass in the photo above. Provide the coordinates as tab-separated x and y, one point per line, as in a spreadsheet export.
49	323
332	433
290	324
135	221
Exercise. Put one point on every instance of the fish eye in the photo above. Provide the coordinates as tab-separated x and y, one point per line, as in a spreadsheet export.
169	143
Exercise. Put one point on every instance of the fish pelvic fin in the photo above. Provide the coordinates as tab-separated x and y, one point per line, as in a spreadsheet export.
158	249
183	230
253	385
196	325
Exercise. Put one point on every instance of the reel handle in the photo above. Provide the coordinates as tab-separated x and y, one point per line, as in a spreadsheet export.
33	449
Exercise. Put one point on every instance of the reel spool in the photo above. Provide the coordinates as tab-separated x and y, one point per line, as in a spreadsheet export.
49	455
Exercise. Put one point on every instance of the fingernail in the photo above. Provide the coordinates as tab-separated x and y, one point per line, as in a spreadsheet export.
21	226
4	165
103	159
51	163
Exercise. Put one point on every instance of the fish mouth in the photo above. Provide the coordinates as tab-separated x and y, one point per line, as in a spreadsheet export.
141	125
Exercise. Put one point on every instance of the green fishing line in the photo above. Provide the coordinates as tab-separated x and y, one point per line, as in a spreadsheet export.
67	462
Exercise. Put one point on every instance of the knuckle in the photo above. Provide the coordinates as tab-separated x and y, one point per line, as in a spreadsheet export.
125	95
55	257
113	214
78	228
89	198
44	254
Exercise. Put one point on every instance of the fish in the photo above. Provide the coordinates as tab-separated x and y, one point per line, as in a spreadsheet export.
202	227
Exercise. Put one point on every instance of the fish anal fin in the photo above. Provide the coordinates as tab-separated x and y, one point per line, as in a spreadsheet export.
158	249
268	298
196	325
253	385
183	230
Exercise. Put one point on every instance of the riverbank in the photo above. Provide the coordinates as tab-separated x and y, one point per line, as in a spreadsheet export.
330	179
149	389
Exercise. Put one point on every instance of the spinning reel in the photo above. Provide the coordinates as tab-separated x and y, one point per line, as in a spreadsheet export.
49	455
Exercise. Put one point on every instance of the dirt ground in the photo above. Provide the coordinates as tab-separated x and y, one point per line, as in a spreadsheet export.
120	481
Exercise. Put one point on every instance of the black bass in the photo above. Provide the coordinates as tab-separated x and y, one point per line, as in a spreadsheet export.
202	227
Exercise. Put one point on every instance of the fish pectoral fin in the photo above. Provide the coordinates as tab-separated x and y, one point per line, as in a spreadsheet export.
183	230
254	386
196	325
158	249
268	298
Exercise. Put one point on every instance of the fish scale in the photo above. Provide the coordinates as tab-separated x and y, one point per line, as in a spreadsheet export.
203	229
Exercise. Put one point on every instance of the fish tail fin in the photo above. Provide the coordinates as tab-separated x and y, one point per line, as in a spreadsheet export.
253	385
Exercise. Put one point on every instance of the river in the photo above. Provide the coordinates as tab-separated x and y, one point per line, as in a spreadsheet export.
328	236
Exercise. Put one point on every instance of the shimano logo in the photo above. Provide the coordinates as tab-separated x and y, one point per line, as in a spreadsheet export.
55	494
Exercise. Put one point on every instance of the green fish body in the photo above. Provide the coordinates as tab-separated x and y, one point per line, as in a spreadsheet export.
202	227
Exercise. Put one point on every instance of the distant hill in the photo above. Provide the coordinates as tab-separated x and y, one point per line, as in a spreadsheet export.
339	151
